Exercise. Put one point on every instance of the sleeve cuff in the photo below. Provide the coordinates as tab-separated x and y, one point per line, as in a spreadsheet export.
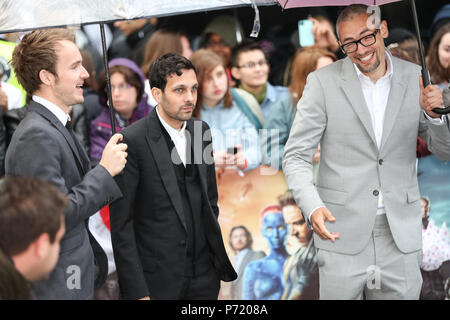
436	121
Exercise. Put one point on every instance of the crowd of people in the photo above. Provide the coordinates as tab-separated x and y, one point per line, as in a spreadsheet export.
223	80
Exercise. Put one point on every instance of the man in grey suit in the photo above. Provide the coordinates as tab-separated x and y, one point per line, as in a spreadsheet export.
241	242
48	65
366	111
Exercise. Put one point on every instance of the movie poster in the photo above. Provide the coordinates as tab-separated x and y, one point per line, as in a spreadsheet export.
280	262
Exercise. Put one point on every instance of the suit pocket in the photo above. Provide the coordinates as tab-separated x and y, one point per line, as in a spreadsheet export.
412	194
332	196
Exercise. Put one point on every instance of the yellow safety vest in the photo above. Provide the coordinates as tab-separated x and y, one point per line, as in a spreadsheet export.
8	75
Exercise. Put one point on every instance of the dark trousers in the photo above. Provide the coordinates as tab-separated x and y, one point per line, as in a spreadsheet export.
202	287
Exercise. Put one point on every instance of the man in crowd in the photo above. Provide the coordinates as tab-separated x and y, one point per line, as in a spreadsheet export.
48	65
250	67
241	243
31	228
166	238
366	111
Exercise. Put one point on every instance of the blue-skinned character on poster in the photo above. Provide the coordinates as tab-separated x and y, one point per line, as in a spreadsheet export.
263	278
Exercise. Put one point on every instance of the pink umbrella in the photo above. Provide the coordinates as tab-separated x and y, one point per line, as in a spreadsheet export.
287	4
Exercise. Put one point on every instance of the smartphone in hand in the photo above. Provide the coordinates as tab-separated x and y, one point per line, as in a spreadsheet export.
305	34
232	150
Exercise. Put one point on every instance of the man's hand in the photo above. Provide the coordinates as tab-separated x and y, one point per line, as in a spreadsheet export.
430	98
145	298
324	35
114	155
318	219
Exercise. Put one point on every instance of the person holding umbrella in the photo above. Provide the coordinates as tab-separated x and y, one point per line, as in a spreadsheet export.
48	65
366	111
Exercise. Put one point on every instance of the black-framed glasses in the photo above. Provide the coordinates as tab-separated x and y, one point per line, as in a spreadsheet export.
365	41
252	64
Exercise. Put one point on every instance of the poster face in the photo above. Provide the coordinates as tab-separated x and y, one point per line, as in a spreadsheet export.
280	263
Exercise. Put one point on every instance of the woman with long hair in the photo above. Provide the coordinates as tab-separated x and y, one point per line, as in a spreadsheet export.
281	114
438	58
234	126
161	42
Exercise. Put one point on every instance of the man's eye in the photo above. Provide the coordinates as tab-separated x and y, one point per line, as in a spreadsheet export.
179	90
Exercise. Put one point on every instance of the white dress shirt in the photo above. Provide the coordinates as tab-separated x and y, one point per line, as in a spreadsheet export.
53	108
238	258
178	137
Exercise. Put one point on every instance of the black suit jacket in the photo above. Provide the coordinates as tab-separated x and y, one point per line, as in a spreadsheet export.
148	225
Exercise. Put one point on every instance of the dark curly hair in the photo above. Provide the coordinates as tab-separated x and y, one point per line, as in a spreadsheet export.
165	66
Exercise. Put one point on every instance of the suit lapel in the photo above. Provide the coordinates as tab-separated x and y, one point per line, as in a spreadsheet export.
352	89
396	96
47	114
160	151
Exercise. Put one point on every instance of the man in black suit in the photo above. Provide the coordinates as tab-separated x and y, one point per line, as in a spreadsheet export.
49	66
166	238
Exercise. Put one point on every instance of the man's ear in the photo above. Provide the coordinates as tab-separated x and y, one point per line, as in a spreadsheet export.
157	94
46	77
41	245
236	73
384	29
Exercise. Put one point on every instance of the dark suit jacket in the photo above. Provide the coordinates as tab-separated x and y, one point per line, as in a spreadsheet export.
42	147
148	225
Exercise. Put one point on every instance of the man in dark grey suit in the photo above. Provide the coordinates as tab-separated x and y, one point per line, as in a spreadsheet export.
48	65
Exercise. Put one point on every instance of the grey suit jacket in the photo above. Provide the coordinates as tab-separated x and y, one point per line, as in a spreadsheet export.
42	147
352	170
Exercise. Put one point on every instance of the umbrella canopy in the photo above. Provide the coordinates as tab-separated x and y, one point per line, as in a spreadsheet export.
26	15
36	14
286	4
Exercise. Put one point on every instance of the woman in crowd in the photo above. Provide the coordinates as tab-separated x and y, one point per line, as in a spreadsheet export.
161	42
438	58
233	124
282	112
129	100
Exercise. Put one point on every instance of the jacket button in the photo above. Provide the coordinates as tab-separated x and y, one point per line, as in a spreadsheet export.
376	193
380	162
182	242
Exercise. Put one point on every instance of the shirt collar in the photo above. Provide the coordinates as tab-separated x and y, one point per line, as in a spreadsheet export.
387	75
271	93
53	108
173	133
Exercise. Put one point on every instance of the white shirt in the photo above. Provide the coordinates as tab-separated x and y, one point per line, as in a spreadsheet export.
178	137
53	108
14	95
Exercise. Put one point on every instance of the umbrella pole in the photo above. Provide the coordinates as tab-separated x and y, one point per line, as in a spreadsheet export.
108	81
425	73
